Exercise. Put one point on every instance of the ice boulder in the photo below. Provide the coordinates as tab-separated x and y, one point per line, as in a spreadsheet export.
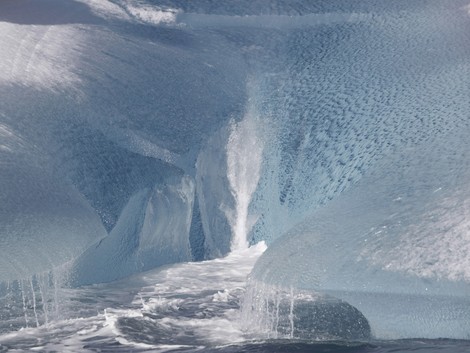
395	247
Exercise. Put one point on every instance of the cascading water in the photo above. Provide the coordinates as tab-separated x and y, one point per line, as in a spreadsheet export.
33	301
196	298
244	159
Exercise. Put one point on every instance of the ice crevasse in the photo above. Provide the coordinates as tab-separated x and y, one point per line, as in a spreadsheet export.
125	128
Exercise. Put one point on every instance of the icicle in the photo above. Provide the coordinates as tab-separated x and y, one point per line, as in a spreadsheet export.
43	299
291	312
56	294
34	301
278	304
20	282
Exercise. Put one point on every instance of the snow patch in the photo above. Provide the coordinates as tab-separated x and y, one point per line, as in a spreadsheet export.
153	15
107	9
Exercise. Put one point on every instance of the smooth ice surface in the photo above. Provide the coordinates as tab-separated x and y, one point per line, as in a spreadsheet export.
45	221
152	230
394	246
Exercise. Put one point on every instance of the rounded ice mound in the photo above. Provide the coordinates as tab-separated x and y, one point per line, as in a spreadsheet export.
330	318
278	312
395	246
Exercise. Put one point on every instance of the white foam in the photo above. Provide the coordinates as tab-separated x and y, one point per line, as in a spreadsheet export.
213	288
226	276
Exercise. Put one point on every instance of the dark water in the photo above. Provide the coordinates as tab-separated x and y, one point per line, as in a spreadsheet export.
337	347
401	346
101	344
431	346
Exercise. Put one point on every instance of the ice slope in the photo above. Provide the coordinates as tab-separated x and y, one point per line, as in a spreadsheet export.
36	208
152	229
395	246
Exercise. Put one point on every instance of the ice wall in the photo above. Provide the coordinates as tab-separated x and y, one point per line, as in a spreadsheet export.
342	97
151	231
366	185
102	116
214	195
36	208
394	246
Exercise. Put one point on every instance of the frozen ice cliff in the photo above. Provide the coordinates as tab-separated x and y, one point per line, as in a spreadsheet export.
137	133
103	117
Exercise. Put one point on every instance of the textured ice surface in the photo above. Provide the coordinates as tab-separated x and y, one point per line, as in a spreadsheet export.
380	108
342	97
394	246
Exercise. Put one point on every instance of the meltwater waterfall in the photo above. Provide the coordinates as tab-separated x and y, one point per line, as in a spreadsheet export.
274	175
244	158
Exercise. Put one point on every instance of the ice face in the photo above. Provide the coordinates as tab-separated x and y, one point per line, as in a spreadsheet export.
151	231
365	185
393	246
100	129
45	221
360	92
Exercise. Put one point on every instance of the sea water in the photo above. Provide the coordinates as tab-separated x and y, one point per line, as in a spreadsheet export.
188	307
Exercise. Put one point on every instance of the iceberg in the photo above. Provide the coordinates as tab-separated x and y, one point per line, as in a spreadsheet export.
137	134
